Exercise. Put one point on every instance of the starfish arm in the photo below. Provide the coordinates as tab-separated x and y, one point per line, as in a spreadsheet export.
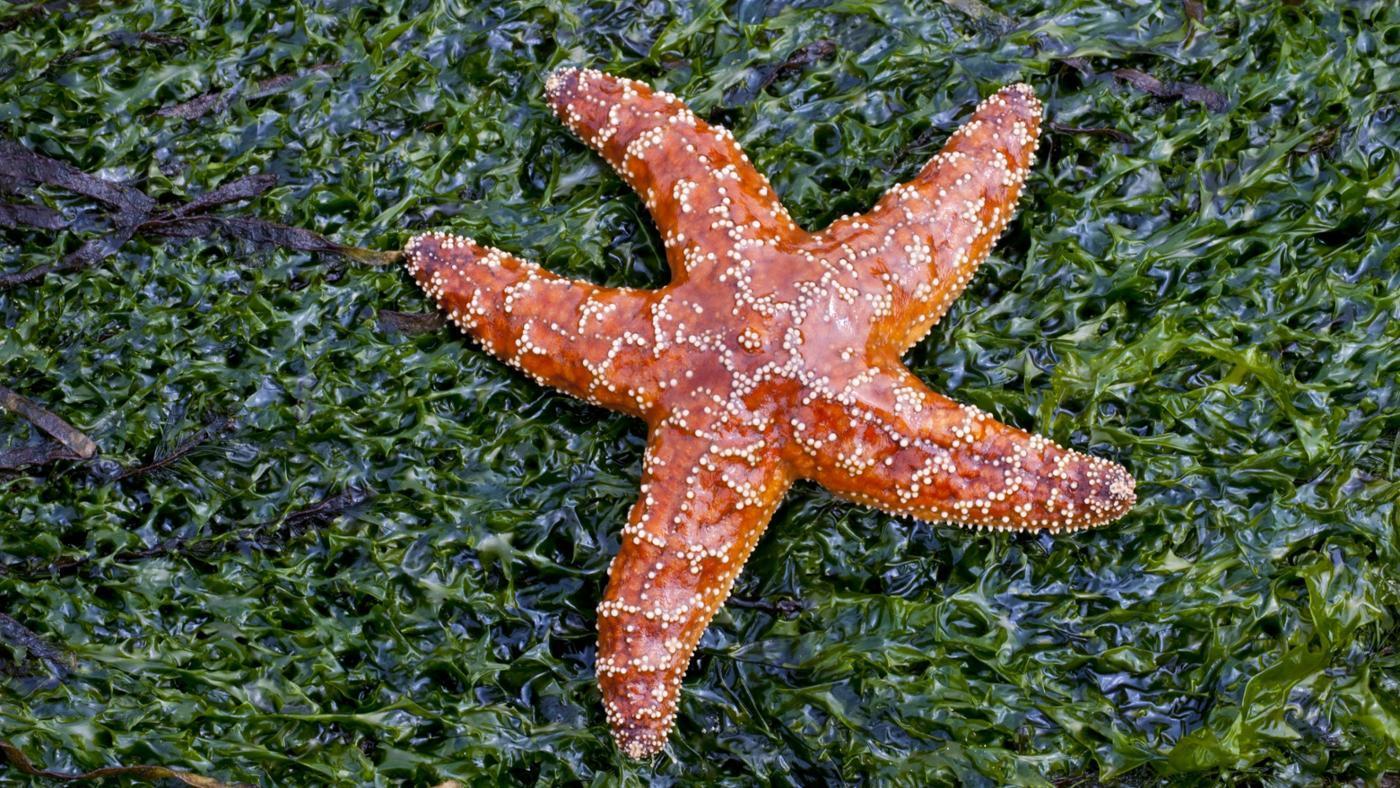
585	340
924	239
891	443
697	183
706	498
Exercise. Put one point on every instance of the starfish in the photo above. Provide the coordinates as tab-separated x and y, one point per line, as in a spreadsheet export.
773	355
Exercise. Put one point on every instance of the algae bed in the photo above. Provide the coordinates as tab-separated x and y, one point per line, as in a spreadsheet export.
325	540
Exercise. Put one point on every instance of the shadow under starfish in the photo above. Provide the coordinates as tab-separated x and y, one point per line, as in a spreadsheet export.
772	355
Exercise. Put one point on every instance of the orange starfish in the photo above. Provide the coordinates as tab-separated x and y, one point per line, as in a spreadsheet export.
773	355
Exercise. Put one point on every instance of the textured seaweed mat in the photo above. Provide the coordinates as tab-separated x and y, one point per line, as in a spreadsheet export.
1204	285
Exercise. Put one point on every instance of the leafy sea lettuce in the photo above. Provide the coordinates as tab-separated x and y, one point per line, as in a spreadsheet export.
1201	283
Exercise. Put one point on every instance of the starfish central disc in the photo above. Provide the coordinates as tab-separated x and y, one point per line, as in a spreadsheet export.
772	355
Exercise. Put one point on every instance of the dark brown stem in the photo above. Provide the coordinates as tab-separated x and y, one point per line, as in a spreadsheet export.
181	450
60	430
16	634
16	759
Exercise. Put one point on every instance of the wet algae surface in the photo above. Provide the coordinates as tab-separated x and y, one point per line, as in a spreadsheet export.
327	540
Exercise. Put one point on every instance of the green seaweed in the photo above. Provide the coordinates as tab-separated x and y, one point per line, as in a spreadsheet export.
1201	283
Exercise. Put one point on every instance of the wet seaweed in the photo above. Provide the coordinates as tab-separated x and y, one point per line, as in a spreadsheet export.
16	759
181	450
1185	91
17	637
411	322
1212	298
137	213
260	536
217	100
804	56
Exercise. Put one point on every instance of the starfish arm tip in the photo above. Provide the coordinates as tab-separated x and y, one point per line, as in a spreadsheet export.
1021	97
695	180
704	503
639	738
913	451
560	79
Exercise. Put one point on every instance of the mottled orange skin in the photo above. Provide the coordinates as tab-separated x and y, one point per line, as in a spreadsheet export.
773	355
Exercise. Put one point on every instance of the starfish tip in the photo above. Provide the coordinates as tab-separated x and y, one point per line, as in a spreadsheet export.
564	84
1020	98
640	748
432	256
1122	491
1021	87
559	78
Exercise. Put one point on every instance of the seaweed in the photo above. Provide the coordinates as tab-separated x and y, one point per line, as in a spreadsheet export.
18	637
17	760
138	213
1203	282
411	322
180	451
